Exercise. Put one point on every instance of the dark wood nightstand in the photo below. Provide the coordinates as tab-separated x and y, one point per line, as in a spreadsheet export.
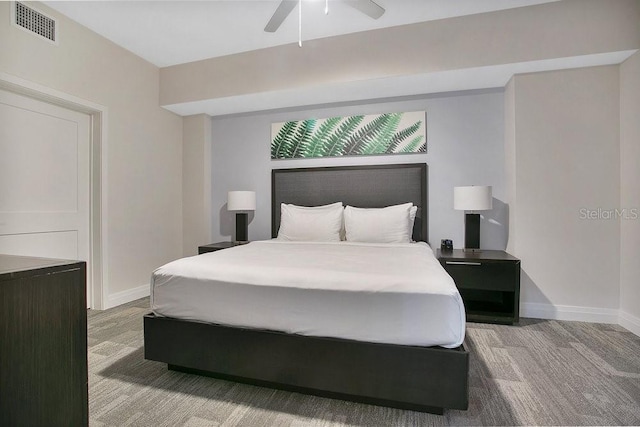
489	282
212	247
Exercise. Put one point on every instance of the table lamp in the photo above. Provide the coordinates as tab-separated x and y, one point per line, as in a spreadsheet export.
472	198
241	202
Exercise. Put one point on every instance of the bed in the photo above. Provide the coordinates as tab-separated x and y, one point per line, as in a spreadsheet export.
370	363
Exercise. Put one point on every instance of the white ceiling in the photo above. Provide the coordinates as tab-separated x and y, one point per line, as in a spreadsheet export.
174	32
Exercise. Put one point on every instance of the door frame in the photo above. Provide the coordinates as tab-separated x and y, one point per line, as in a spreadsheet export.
97	170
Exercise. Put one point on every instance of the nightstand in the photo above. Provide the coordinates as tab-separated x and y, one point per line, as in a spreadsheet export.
488	281
212	247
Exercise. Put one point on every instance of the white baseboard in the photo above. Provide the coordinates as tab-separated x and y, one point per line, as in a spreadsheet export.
632	323
129	295
569	312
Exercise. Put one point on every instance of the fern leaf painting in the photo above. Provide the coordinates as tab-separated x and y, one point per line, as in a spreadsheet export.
390	133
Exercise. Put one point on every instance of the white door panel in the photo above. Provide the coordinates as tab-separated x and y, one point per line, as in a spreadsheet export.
39	158
37	222
44	179
64	244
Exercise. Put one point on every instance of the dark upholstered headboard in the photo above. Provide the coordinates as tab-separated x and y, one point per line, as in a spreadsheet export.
359	186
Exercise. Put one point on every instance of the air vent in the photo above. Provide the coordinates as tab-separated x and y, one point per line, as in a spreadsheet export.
35	22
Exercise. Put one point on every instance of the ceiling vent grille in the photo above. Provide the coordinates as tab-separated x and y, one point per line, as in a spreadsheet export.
36	22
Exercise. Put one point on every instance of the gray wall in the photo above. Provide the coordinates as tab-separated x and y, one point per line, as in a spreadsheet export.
465	134
566	159
142	147
630	192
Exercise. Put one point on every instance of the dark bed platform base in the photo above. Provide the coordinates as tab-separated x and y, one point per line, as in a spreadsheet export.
426	379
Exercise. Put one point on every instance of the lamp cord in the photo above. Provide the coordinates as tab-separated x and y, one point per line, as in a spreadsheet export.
326	12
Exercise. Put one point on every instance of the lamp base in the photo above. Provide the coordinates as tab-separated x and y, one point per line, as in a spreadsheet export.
472	231
242	231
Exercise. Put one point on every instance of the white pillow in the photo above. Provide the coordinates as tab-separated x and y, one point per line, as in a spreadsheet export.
384	225
311	224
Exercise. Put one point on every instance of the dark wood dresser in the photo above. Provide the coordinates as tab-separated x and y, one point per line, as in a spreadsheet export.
43	342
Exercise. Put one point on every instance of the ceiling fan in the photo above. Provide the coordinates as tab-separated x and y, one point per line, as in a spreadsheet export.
368	7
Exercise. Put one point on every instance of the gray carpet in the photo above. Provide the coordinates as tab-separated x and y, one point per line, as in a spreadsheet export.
542	372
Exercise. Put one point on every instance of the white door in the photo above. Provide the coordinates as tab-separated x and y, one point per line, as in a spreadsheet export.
44	180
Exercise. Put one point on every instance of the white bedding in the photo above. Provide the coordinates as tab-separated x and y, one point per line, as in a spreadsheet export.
384	293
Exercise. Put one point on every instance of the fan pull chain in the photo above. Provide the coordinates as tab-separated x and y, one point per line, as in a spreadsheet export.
326	12
299	23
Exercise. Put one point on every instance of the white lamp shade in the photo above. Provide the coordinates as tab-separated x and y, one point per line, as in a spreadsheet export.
241	201
472	198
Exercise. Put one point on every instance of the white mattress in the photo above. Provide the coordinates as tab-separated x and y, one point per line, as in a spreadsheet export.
384	293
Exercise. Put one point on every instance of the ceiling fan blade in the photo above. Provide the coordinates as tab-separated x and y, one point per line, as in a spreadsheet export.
284	9
368	7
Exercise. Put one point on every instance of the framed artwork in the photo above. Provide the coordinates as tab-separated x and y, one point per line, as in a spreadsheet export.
362	135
